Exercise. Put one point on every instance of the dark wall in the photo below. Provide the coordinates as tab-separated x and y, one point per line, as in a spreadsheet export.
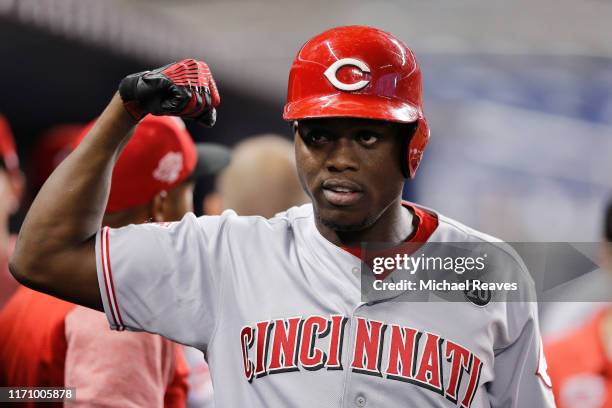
46	79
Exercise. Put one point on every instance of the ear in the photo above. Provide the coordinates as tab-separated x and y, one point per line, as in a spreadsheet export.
157	208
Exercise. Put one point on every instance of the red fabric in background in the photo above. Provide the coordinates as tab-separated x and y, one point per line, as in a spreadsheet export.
32	325
8	284
33	346
580	370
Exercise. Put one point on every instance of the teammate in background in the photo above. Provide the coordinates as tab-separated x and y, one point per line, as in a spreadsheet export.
11	190
260	180
580	362
275	304
70	345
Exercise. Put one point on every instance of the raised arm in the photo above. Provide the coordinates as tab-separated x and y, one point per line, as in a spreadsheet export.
55	252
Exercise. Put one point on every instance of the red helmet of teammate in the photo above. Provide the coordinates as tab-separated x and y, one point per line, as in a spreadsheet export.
359	72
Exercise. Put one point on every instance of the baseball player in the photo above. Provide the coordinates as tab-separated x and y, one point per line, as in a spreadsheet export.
275	303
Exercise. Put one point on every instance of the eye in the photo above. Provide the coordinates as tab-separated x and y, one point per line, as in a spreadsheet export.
367	138
316	137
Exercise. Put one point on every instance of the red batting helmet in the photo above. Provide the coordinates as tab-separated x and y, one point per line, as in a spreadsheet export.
360	72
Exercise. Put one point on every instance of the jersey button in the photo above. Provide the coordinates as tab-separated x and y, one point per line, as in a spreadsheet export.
360	401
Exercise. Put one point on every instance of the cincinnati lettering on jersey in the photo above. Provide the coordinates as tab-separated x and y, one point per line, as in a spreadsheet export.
419	358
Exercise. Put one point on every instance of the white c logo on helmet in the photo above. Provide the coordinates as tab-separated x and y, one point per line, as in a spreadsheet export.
330	74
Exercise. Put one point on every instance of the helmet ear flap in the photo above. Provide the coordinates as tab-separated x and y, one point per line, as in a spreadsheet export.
416	147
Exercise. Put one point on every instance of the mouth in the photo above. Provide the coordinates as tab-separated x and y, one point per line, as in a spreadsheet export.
341	193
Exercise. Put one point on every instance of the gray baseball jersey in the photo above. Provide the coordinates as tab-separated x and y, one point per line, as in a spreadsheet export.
277	310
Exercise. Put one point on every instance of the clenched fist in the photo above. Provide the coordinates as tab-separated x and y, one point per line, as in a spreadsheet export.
185	88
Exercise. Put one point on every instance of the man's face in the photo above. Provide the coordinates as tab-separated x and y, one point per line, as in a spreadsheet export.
350	168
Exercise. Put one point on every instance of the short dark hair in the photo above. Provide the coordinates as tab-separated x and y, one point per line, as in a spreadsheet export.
608	222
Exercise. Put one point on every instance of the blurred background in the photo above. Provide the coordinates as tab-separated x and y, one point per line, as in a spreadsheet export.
518	93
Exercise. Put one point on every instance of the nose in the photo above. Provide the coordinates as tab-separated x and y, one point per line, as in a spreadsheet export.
342	156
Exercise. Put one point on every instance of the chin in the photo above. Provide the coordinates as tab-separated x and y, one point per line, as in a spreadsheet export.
343	221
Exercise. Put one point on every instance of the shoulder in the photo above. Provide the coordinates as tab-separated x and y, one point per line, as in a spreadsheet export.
236	235
503	264
289	216
450	230
282	222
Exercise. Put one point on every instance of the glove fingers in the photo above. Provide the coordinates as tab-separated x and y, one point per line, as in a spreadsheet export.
200	105
192	104
207	118
208	115
216	98
212	86
185	73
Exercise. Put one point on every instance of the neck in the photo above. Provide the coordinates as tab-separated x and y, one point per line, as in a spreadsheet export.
393	226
